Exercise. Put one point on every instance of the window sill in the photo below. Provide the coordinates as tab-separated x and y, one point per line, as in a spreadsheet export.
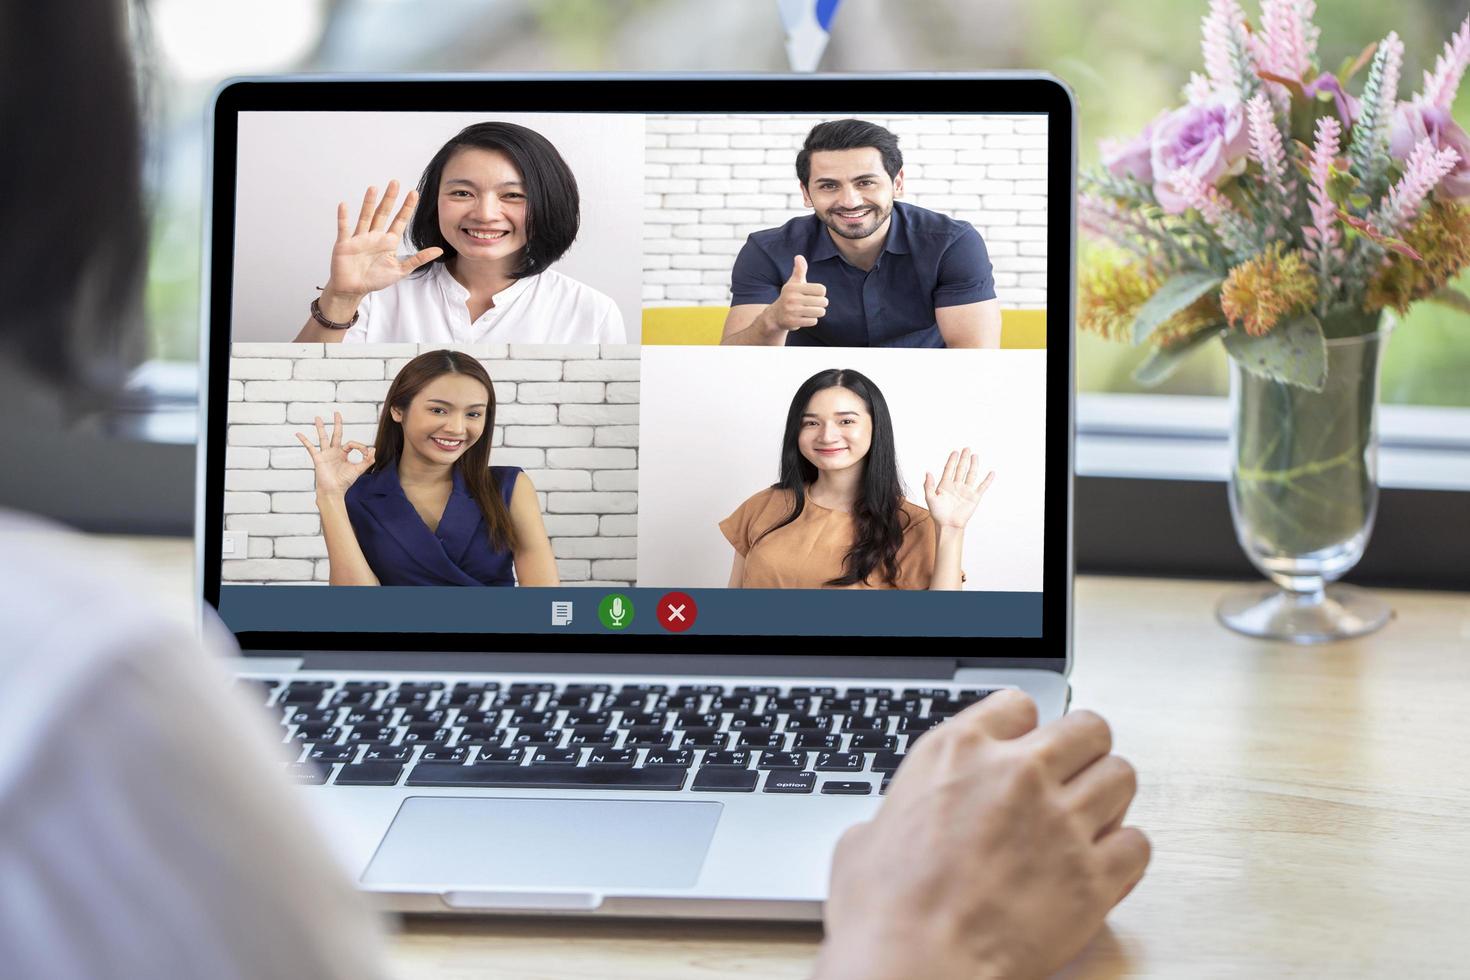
161	405
1172	437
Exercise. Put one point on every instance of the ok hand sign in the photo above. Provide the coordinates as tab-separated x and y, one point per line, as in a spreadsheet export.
335	472
365	257
953	499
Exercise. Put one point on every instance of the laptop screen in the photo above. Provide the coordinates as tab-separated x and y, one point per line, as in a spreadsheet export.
523	371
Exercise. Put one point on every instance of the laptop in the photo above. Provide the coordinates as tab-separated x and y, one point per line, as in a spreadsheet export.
627	674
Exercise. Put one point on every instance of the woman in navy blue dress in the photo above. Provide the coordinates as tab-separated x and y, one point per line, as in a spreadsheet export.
423	505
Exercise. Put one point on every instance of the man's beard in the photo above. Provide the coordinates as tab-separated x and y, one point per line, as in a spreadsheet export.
867	228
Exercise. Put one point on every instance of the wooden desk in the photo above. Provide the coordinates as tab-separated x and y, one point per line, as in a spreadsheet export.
1308	809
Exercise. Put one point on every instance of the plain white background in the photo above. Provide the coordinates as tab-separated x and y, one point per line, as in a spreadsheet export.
712	419
295	166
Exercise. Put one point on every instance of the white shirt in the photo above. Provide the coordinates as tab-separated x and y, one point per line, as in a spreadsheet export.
430	307
145	827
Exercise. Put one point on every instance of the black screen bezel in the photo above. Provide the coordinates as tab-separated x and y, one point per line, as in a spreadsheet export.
948	94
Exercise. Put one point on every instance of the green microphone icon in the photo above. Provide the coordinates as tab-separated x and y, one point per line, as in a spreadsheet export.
615	611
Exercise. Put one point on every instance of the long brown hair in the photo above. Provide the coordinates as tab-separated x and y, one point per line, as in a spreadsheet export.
474	464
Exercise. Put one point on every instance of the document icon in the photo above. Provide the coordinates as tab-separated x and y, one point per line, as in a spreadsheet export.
561	614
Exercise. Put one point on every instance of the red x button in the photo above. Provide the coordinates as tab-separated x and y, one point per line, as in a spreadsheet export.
676	612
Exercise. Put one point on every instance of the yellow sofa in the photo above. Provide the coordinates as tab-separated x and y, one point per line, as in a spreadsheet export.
689	325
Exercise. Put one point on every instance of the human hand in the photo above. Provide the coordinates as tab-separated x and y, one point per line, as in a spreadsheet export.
801	303
953	499
365	257
335	471
998	851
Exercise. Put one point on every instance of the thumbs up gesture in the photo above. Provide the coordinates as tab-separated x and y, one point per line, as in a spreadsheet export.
801	303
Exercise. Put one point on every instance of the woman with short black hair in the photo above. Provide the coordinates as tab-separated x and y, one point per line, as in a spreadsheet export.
499	206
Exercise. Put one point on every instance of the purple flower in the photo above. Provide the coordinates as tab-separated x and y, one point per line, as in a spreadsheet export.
1210	140
1131	158
1347	106
1413	122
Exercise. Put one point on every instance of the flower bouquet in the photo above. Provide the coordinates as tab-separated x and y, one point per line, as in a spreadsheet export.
1291	219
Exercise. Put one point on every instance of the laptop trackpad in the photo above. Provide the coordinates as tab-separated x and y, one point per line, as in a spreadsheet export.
465	844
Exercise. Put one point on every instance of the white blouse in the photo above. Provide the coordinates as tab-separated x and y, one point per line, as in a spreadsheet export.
429	307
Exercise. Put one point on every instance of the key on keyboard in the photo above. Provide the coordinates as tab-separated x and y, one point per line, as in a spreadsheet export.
370	774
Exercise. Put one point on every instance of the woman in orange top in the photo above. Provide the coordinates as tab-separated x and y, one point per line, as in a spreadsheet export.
838	518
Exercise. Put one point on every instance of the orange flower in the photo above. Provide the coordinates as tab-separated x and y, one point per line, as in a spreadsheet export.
1259	293
1441	236
1109	295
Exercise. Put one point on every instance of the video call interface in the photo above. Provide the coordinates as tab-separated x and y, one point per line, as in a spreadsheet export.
556	372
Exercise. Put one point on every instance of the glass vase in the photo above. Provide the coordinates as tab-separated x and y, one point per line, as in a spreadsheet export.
1303	495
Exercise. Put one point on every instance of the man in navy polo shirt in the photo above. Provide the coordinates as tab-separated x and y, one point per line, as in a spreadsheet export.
862	270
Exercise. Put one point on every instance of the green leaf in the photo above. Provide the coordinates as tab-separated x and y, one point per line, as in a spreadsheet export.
1294	353
1452	298
1173	296
1162	361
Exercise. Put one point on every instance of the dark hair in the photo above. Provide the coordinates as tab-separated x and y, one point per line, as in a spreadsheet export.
71	264
878	513
848	134
553	207
474	464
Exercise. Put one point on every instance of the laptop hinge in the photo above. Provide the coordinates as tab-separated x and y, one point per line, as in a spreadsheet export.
922	668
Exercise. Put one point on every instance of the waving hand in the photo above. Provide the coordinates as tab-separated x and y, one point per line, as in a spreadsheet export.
953	499
365	256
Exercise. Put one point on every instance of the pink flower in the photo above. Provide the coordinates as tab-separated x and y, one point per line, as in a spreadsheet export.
1226	46
1131	158
1424	168
1213	207
1322	236
1440	86
1288	39
1347	106
1266	143
1413	123
1209	141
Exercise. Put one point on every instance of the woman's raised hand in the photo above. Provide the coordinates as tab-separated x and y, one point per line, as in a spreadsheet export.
335	472
953	499
365	257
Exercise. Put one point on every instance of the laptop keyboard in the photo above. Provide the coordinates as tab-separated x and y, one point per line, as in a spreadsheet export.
702	737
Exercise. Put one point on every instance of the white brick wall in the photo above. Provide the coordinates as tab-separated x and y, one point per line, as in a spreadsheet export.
567	415
712	180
